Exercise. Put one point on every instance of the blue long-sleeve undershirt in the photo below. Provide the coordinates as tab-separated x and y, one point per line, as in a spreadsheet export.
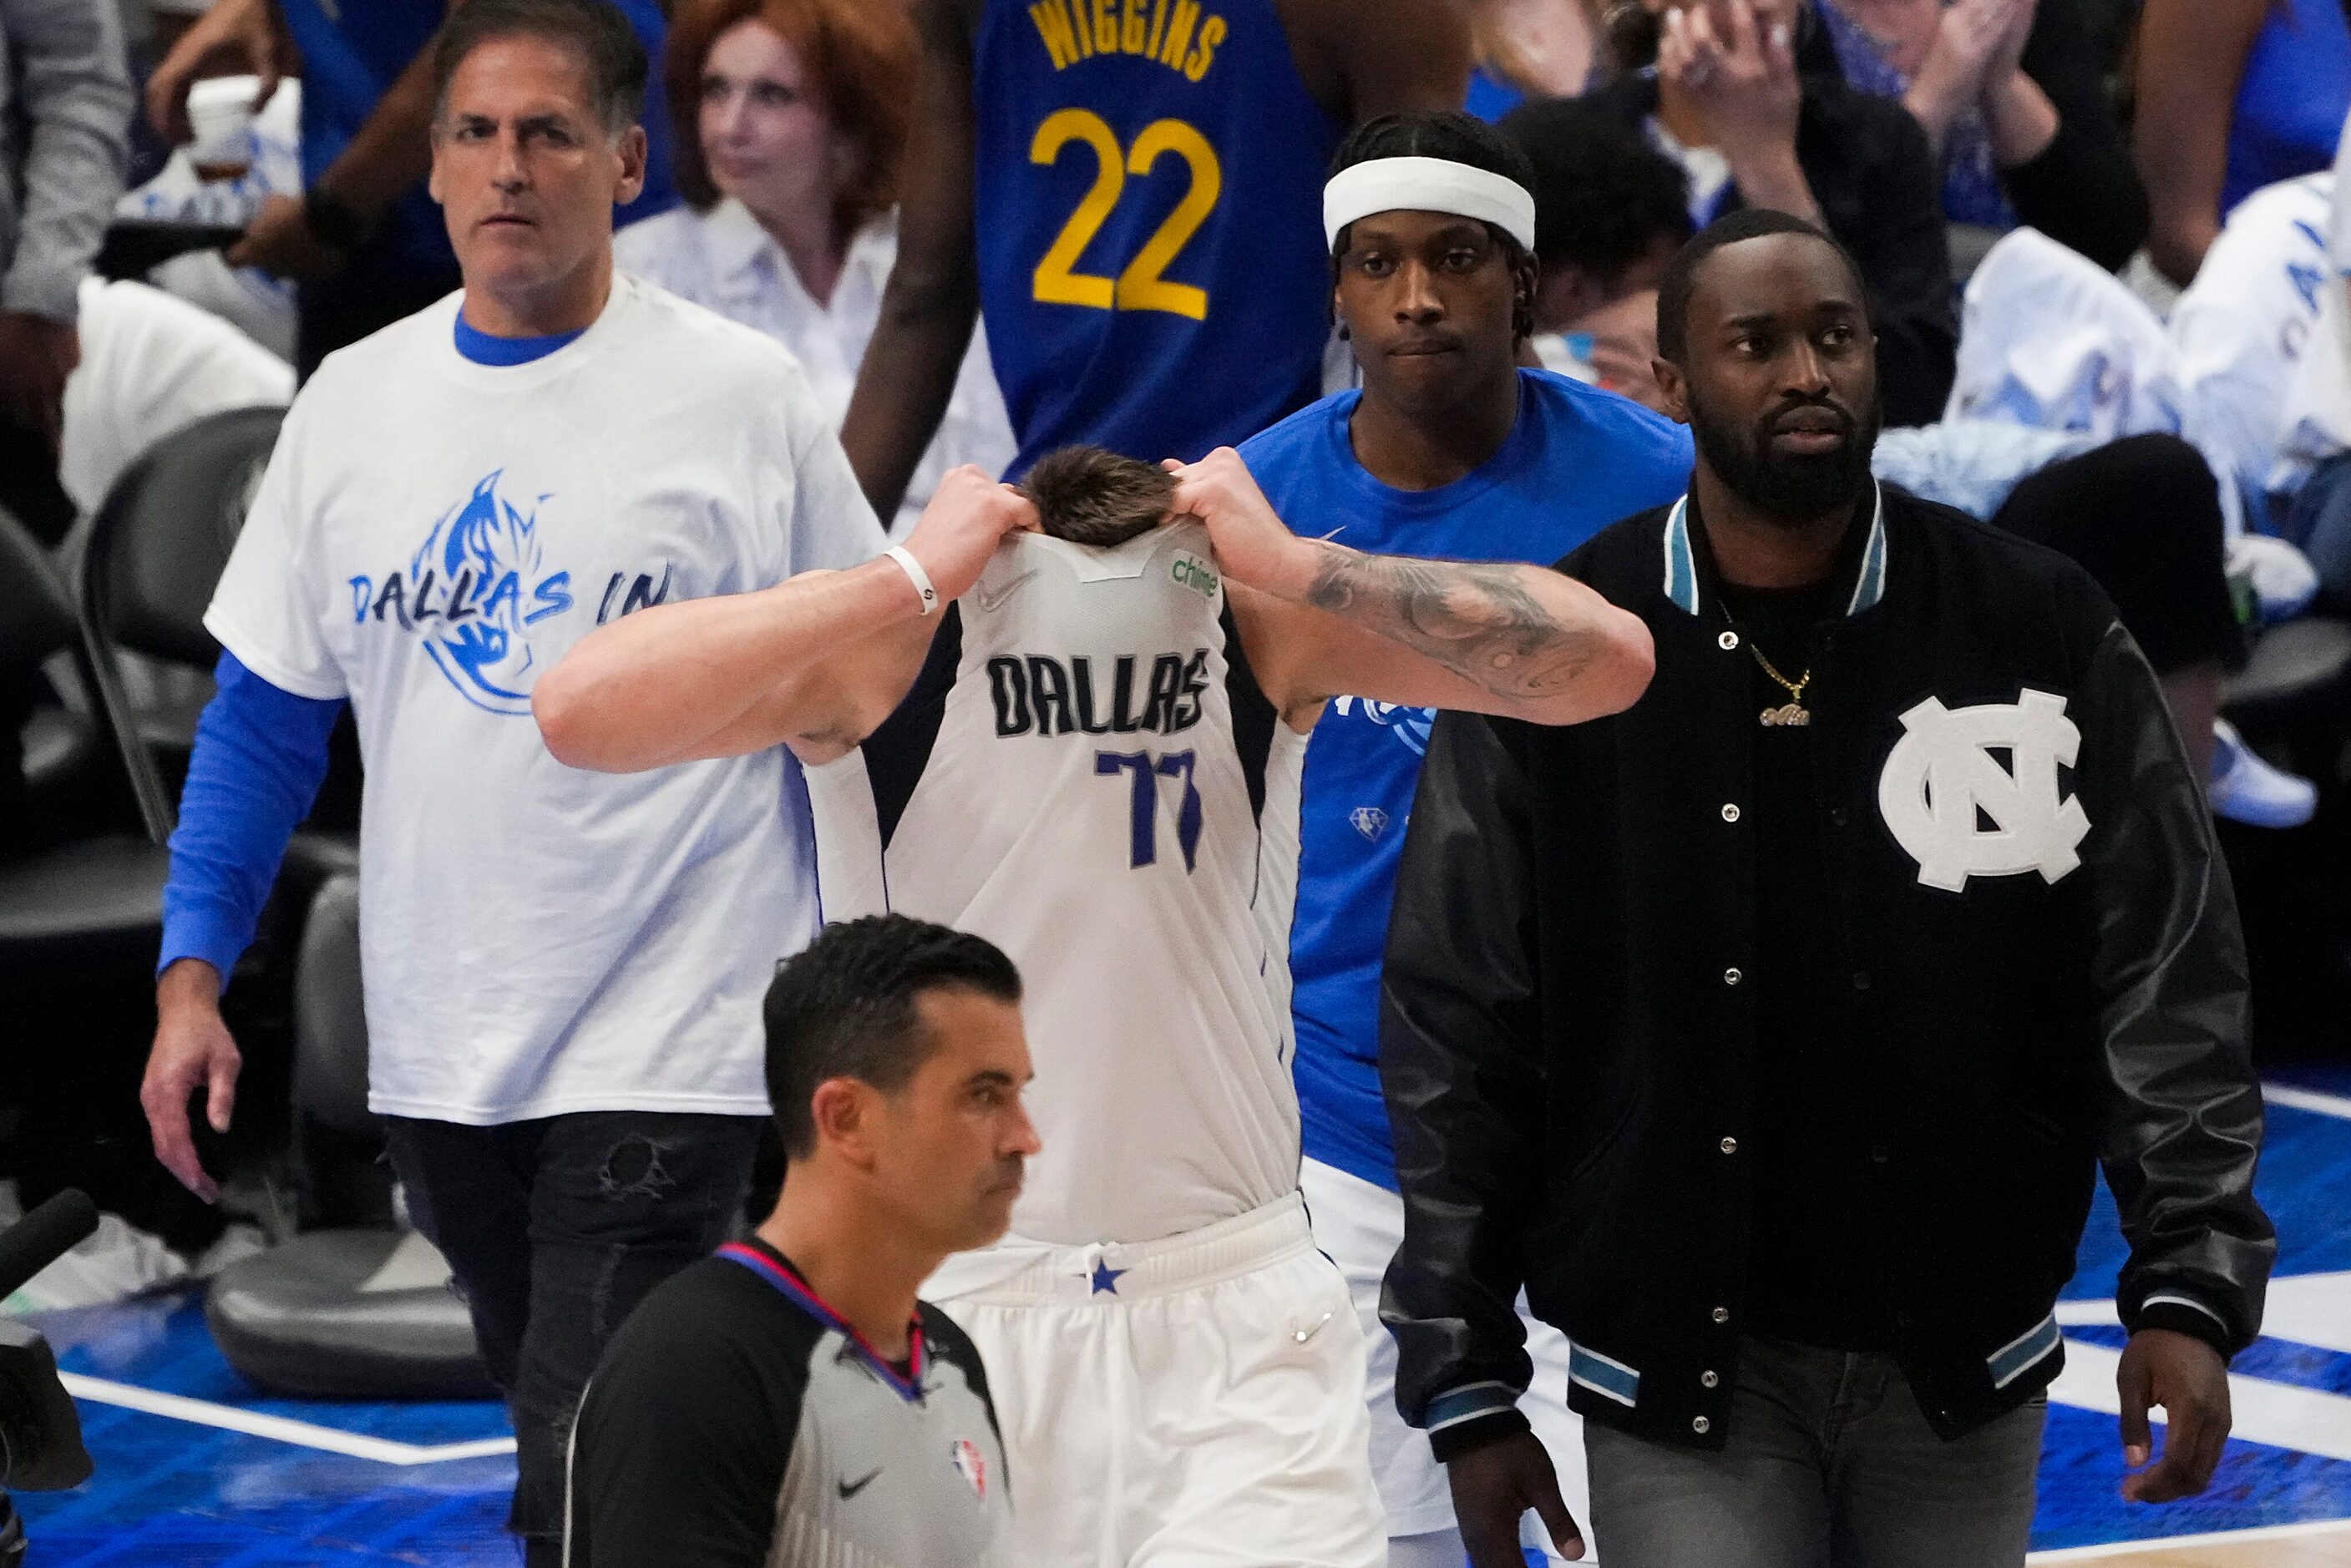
259	758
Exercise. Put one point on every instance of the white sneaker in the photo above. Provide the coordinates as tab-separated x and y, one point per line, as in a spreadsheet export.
2281	578
2248	790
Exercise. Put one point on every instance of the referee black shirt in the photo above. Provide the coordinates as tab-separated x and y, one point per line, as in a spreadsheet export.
737	1422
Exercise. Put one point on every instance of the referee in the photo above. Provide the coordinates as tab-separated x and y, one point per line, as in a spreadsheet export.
789	1401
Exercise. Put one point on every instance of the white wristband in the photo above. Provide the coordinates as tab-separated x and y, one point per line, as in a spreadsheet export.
915	573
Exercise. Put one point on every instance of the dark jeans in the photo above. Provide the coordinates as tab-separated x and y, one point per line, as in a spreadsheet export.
555	1230
1829	1464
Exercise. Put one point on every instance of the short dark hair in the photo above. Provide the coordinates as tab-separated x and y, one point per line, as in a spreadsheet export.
844	1007
607	45
1456	138
1092	496
1603	195
1673	290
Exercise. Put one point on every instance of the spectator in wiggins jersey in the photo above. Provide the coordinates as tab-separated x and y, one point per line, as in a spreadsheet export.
789	1400
1126	193
1449	448
791	128
561	972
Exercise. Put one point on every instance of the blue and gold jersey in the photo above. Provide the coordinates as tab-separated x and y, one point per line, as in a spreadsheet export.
1148	190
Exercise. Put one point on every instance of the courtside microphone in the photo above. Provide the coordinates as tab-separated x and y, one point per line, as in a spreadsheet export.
44	1236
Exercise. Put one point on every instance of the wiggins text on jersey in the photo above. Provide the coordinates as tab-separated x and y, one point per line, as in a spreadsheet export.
1172	32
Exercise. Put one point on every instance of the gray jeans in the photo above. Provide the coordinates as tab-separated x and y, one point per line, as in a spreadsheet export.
1829	1464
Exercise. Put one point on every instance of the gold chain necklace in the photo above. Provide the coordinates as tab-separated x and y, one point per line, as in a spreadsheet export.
1792	713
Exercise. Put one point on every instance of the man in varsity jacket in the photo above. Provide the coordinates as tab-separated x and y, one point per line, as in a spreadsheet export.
1768	1033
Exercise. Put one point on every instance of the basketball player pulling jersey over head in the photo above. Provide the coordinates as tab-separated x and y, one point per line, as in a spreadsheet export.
1096	765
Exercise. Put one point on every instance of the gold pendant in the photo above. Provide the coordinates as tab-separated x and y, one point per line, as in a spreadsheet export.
1787	715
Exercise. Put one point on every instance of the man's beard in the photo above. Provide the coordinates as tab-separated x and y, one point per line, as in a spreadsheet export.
1788	487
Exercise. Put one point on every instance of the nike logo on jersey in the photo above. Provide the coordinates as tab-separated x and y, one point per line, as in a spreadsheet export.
988	602
1040	695
851	1488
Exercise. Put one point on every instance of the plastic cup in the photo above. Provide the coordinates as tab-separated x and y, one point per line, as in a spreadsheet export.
220	112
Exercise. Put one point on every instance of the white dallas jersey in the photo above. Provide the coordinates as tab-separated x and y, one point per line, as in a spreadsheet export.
1087	775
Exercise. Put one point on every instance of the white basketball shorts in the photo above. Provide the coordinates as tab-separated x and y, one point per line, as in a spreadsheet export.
1360	1225
1195	1402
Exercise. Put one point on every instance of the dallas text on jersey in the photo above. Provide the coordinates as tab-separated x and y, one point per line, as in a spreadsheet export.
1046	696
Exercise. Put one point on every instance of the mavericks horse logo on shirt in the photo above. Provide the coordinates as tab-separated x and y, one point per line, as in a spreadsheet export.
472	592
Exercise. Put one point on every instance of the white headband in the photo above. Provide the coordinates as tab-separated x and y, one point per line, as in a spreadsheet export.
1426	185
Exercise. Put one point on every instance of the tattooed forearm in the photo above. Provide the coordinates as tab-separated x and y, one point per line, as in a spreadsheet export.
1480	621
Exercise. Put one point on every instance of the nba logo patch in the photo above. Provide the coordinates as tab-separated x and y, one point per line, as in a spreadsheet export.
1370	821
971	1465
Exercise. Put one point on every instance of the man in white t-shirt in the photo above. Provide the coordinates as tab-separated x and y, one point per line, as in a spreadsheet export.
562	968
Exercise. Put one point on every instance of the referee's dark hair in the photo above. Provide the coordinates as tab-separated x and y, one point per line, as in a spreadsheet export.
1456	138
844	1007
607	44
1673	290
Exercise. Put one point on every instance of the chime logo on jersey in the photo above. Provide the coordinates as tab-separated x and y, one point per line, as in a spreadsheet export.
1410	725
1941	778
972	1465
472	592
1042	695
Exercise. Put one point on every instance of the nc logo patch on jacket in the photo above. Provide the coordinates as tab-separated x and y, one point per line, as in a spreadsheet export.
1941	776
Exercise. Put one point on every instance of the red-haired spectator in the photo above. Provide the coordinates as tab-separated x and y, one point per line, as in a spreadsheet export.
791	122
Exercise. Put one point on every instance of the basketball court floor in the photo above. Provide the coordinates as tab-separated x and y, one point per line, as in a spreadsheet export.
195	1470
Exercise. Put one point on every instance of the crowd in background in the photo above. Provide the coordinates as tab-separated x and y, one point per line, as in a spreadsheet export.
2106	262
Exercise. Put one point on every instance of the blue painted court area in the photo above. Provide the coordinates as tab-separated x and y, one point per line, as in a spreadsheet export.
184	1491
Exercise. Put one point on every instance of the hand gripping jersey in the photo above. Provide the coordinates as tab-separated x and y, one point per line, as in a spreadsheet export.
1148	178
1086	774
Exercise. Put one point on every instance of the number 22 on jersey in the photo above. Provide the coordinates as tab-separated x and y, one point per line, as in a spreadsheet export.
1140	286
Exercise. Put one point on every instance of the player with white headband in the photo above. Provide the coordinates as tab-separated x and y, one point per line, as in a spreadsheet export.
1449	448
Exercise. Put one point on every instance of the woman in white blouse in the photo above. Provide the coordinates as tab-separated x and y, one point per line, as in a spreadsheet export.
791	120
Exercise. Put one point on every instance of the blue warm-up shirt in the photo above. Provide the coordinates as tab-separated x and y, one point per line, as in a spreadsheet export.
1577	460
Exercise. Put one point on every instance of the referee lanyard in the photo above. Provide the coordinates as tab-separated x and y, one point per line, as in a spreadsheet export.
796	1289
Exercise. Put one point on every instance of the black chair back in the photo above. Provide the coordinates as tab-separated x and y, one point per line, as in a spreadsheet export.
330	1045
37	617
156	550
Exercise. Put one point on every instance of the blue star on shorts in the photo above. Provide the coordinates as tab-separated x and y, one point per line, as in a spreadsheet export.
1106	1278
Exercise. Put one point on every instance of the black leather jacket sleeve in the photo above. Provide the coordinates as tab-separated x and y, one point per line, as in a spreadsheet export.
2182	1115
1461	1066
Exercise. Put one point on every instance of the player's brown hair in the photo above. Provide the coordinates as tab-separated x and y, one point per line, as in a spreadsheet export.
861	56
1091	496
